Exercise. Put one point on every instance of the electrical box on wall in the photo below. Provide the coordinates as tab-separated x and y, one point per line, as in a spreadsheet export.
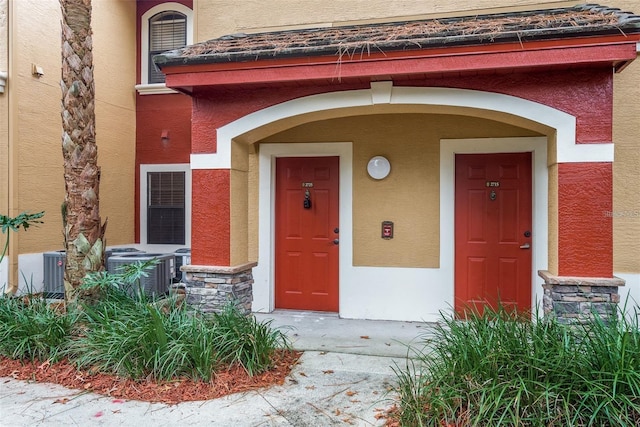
387	229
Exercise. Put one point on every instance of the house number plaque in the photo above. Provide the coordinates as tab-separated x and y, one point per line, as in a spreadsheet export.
307	185
493	184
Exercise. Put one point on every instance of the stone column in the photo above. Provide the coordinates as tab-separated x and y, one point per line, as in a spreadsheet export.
210	288
576	300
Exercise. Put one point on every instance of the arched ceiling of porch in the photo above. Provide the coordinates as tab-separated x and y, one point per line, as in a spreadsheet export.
520	125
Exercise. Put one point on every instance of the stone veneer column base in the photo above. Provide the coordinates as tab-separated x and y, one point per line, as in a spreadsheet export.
211	288
576	300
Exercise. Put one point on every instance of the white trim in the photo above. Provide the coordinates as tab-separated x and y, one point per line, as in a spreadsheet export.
630	292
144	88
384	92
172	167
540	178
204	161
154	89
263	273
4	274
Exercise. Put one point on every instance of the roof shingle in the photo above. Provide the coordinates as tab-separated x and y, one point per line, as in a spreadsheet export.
577	21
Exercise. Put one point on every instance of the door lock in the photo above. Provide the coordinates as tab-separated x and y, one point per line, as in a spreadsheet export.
307	200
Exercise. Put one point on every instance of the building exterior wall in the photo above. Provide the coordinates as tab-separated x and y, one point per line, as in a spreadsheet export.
584	94
215	19
36	181
4	117
626	173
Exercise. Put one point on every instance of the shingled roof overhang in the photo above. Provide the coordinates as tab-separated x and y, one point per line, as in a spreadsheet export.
588	34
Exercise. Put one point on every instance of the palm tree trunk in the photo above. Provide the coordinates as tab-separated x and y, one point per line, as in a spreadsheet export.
83	228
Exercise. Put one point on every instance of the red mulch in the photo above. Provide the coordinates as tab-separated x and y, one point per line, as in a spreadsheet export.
232	380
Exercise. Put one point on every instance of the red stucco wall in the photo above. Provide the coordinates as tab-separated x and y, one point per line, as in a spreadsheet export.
154	115
585	239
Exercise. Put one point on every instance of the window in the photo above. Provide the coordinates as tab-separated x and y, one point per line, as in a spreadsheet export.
167	31
165	199
164	27
165	208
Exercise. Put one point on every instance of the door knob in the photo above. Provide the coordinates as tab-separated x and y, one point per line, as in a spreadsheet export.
336	241
525	246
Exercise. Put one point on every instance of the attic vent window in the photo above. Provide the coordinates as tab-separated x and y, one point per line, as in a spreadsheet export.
167	31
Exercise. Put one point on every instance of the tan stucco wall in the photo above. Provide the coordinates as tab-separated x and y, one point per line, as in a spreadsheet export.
240	204
36	125
114	27
4	116
626	167
409	196
216	18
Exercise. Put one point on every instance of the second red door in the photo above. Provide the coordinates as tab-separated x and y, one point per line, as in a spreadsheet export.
493	234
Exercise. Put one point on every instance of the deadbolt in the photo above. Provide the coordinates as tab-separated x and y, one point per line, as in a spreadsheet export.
336	230
527	233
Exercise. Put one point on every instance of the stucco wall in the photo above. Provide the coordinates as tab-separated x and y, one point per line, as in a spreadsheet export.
216	18
626	169
4	117
35	120
36	124
410	195
115	74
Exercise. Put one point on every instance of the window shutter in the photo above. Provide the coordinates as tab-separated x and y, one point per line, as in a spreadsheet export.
167	31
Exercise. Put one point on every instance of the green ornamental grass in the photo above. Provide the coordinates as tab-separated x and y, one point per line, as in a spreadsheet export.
494	369
30	329
127	333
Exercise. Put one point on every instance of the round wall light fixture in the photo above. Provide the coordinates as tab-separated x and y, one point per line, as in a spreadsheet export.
378	167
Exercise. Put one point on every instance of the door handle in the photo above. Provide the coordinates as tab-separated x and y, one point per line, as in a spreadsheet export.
525	246
336	241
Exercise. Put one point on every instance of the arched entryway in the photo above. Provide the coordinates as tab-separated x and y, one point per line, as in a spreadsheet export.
420	293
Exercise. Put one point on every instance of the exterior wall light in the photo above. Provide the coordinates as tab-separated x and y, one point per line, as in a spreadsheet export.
164	137
378	167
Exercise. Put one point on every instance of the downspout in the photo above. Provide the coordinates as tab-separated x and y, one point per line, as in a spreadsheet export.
12	153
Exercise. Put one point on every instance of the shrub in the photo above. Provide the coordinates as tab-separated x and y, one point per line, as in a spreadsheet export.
496	370
32	329
129	334
242	339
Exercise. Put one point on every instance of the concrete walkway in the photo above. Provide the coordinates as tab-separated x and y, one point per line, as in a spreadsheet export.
343	378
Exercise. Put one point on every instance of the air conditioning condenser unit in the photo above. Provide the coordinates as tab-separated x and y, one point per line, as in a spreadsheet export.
159	277
54	274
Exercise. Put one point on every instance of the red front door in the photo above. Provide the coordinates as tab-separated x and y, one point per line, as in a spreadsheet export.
307	232
493	232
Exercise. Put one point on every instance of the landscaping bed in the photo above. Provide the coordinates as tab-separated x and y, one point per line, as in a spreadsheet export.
126	344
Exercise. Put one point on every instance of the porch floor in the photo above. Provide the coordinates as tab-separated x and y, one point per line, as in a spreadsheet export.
318	331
